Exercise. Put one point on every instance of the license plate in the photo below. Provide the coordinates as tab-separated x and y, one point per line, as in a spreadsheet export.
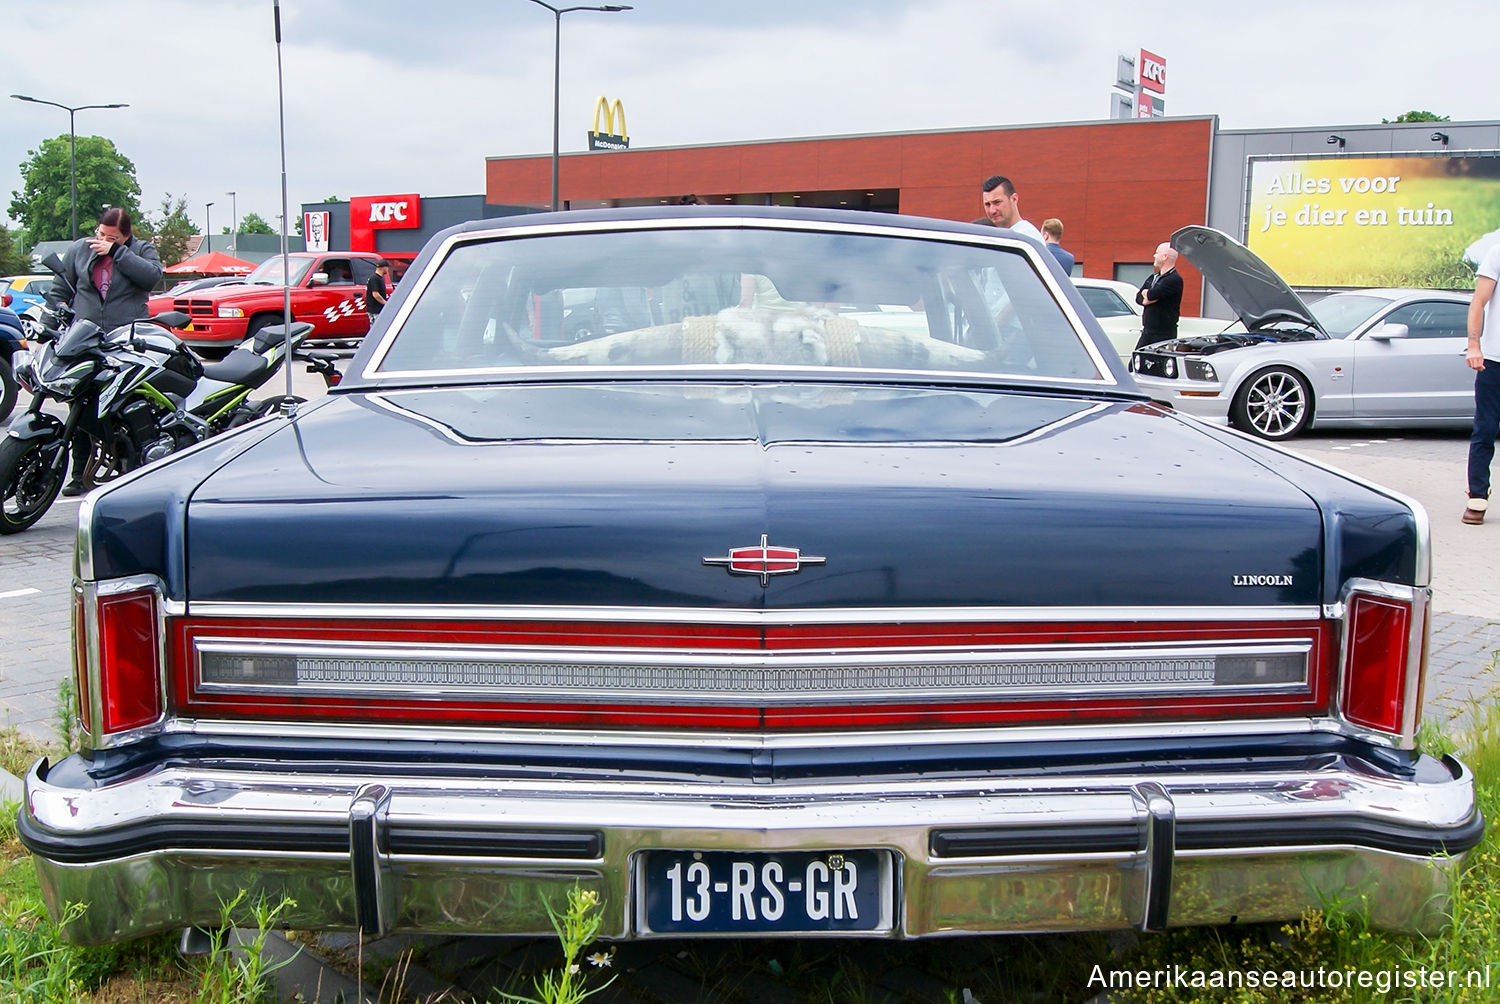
685	892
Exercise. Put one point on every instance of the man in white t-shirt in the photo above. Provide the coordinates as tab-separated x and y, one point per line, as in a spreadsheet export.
1483	356
1002	206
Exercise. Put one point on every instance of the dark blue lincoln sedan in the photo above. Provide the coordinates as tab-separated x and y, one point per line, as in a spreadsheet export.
763	571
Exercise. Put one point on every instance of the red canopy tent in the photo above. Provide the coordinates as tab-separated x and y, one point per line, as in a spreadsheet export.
212	263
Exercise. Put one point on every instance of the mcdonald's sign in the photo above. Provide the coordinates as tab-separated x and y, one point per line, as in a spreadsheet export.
609	138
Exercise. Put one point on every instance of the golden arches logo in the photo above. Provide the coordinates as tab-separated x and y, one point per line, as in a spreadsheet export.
609	138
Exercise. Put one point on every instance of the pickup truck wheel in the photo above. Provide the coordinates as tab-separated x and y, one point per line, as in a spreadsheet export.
28	482
1274	404
8	389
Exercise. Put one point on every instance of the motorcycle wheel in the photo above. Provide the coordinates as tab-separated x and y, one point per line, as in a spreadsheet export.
8	389
28	482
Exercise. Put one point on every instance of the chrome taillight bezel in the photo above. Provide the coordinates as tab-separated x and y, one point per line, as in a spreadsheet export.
98	729
1401	730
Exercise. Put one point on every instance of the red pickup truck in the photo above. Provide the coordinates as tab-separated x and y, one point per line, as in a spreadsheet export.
328	291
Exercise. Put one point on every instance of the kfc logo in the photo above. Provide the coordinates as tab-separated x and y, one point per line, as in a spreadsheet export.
386	212
1153	72
380	212
315	231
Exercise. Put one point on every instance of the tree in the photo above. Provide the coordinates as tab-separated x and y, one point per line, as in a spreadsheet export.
1416	116
13	261
106	177
173	230
252	223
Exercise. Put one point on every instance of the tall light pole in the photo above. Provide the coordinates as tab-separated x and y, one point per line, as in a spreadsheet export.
557	13
234	208
208	225
72	149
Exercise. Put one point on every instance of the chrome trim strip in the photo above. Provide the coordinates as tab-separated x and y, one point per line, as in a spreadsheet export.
748	740
786	677
386	399
1040	267
757	618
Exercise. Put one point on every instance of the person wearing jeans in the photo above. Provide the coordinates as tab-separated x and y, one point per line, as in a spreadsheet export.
1483	356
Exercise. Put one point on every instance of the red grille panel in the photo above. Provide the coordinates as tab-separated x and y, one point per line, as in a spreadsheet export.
729	640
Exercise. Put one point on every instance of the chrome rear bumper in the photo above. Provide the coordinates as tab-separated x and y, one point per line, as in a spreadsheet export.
974	854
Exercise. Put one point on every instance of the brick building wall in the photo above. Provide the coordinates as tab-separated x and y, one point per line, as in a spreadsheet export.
1119	187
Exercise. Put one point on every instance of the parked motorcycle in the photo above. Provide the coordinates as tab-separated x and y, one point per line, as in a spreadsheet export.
137	391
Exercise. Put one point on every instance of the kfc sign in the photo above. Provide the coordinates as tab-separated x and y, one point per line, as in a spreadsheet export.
386	212
315	231
1153	72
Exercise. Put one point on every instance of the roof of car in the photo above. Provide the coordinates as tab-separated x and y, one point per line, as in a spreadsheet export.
1397	293
657	213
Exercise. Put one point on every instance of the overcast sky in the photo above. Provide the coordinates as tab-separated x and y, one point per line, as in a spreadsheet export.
391	96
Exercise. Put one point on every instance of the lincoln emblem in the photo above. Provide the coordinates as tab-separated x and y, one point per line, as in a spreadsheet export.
765	560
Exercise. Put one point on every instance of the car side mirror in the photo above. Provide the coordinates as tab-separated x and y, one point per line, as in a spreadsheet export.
318	279
1390	330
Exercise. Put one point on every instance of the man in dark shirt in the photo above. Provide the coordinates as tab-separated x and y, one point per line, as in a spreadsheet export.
375	289
1161	296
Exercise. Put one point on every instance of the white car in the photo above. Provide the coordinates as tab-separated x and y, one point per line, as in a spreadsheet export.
1113	304
1368	357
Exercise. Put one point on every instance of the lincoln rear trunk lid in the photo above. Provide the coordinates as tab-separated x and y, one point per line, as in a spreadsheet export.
914	497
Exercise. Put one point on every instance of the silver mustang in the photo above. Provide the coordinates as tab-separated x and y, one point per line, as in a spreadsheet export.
1373	357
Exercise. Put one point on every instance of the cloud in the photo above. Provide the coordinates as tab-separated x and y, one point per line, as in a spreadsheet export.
382	96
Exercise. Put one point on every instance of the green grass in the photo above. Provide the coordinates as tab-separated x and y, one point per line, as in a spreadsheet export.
38	967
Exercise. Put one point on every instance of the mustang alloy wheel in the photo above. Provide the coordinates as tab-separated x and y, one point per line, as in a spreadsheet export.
1274	404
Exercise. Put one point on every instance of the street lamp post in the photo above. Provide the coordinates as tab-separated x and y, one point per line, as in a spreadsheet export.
72	149
234	208
208	225
557	13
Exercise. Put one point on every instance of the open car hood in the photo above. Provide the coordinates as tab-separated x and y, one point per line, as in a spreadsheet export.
1253	290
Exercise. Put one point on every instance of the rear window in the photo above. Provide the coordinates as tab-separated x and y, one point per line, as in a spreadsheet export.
735	298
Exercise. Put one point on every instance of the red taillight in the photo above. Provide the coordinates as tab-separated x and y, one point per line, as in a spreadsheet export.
129	647
622	674
1382	652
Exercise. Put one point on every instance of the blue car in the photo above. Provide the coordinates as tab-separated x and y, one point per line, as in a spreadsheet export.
26	291
12	332
838	581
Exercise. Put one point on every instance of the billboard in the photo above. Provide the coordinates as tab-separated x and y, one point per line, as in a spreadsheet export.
1349	221
1153	72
